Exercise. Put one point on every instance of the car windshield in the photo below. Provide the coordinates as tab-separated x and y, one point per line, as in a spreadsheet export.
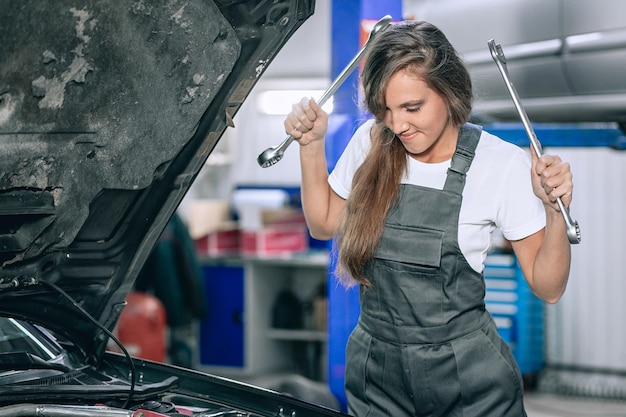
18	336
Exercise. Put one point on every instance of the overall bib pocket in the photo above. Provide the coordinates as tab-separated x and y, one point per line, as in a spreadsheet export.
398	243
408	271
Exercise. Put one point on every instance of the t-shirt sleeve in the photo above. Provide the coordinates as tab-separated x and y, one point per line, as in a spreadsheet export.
340	179
521	213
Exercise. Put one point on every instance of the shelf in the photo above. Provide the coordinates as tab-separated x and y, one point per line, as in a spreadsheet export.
306	259
242	291
297	335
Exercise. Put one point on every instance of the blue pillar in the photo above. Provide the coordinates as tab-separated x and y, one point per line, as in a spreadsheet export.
347	17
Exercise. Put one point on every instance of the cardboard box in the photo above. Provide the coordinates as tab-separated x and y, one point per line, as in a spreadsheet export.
205	216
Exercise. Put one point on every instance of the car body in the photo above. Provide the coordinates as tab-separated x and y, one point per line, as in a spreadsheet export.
108	111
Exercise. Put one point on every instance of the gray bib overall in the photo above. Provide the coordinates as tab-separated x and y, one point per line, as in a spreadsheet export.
424	344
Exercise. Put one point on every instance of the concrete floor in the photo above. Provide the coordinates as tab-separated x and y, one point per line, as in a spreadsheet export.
549	405
538	404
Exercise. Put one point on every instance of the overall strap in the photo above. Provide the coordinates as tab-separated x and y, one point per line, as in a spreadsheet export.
469	134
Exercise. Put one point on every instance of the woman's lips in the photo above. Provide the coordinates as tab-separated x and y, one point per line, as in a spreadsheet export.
407	136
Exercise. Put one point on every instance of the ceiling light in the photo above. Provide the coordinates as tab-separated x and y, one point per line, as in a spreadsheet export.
279	102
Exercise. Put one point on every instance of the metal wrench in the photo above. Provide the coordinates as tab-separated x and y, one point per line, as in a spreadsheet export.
573	230
272	155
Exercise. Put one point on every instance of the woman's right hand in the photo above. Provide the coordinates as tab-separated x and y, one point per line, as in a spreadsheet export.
306	122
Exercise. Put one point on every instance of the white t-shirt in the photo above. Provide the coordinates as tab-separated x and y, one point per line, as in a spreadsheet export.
497	194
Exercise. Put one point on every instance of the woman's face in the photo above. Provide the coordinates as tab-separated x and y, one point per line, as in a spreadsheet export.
418	115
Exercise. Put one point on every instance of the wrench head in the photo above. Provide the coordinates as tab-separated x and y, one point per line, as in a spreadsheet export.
573	234
381	25
269	157
496	51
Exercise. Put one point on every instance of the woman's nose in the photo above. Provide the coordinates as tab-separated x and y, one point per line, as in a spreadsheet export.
397	124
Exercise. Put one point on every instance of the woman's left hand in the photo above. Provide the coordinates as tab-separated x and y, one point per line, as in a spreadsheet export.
551	179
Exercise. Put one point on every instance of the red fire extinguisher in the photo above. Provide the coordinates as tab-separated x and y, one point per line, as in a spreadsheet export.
142	327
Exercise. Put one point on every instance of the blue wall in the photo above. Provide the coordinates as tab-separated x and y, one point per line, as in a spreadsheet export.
347	16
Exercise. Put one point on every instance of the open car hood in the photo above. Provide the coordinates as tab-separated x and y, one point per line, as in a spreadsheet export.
108	111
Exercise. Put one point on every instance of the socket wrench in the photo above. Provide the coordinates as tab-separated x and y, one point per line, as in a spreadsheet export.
274	154
573	230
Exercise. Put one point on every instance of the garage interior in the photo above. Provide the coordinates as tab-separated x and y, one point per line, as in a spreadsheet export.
572	354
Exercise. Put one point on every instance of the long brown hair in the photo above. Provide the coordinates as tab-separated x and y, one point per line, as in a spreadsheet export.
423	49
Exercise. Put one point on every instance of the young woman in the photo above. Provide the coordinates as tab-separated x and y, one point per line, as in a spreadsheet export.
413	202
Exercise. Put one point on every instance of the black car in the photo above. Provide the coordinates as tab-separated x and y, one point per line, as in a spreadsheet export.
108	111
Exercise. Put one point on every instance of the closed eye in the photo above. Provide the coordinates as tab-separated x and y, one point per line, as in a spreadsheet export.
413	106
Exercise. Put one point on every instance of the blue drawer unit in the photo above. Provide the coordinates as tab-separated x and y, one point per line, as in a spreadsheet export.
222	332
518	313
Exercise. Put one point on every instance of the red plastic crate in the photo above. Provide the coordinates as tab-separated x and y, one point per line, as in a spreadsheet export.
275	240
220	242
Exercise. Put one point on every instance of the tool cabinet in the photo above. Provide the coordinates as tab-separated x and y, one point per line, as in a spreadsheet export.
238	339
518	313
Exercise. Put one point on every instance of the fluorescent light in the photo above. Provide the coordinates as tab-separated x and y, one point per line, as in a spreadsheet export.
279	102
